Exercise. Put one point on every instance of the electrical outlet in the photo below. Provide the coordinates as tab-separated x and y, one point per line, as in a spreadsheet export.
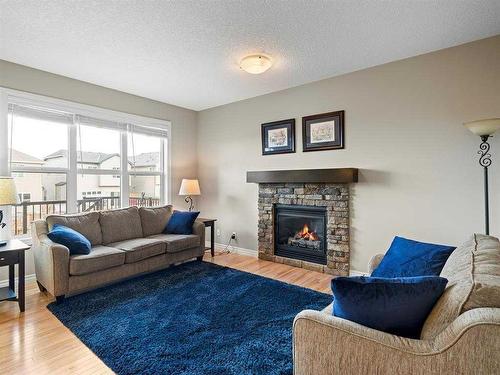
233	236
218	232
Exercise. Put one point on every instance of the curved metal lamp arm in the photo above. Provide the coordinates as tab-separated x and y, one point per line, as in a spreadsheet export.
189	200
485	162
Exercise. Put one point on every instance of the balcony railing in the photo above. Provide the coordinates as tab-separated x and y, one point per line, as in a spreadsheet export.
26	212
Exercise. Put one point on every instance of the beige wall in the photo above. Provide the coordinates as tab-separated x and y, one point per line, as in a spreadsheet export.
184	157
419	173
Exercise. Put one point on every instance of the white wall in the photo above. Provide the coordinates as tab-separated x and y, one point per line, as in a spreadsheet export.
183	149
419	175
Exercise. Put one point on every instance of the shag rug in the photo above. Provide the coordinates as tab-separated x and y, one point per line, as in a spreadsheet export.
195	318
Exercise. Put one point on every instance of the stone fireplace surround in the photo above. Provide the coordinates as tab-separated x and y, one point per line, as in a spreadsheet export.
326	187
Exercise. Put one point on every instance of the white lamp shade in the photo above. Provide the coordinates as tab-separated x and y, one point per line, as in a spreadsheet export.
189	187
484	127
8	194
256	64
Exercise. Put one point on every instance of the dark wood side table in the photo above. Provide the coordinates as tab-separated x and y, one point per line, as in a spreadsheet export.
210	223
10	255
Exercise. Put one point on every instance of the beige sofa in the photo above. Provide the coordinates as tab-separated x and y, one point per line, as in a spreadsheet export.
460	336
125	242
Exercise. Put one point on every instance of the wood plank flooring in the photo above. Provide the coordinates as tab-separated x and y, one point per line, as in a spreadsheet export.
35	342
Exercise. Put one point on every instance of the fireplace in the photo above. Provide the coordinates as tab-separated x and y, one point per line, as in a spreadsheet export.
304	217
300	232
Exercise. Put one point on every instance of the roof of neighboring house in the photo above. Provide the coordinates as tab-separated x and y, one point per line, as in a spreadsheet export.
21	157
147	159
87	157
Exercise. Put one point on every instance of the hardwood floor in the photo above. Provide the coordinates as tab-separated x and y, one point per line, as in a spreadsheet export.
35	342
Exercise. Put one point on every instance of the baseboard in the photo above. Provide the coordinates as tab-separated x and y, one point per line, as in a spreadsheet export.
233	249
255	254
27	278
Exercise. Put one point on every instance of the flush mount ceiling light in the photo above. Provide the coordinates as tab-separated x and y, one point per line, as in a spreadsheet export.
256	64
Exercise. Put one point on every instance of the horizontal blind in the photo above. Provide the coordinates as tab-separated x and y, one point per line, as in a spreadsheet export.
40	113
100	123
145	130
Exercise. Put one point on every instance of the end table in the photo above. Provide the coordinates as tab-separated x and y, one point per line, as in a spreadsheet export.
10	255
210	223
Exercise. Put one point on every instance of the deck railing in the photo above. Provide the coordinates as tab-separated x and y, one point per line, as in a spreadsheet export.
26	212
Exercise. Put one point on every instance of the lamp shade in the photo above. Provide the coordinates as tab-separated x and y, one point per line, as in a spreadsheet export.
189	187
8	194
484	127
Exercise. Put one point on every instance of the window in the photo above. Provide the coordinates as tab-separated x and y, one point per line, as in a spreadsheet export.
145	168
67	158
37	167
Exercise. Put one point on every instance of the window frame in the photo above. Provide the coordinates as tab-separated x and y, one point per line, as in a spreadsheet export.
10	96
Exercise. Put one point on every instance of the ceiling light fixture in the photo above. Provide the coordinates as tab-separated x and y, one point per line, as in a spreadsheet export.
256	64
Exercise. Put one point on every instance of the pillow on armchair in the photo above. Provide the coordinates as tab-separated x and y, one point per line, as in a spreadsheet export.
409	258
398	306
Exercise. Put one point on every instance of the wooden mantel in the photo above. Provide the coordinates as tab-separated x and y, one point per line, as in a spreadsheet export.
331	175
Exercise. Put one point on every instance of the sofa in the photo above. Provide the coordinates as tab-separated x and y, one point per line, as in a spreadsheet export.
460	336
125	242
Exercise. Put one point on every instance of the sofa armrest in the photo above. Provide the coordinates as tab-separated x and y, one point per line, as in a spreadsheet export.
51	260
324	344
374	262
199	230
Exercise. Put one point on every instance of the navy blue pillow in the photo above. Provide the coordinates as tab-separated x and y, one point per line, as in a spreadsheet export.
76	242
408	258
181	222
398	306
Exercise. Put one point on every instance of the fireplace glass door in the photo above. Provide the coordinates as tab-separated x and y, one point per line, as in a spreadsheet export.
300	232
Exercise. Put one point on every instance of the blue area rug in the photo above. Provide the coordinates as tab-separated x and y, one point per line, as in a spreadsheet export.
195	318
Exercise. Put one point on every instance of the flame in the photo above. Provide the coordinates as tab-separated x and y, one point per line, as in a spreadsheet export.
307	235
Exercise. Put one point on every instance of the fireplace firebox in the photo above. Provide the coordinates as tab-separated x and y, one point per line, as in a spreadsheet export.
300	232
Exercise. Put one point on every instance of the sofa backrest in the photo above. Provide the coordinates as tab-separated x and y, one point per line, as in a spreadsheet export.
119	225
473	273
86	224
154	219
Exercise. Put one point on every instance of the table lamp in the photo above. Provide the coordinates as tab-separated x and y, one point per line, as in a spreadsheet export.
8	196
484	129
189	188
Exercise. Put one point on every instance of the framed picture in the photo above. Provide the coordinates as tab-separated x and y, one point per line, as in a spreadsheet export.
278	137
323	132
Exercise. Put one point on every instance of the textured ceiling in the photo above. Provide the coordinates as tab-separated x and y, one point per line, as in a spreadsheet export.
186	52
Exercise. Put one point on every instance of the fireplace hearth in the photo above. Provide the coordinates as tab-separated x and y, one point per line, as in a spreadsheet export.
300	232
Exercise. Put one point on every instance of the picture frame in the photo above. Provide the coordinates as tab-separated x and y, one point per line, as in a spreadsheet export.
278	137
322	132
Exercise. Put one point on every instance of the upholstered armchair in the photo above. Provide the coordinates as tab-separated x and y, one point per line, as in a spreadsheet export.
468	343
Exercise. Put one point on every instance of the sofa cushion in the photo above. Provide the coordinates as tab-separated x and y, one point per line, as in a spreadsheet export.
120	225
87	224
178	242
409	258
394	305
154	219
140	248
100	258
73	240
473	271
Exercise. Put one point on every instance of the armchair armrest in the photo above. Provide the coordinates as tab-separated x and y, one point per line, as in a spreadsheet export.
324	344
51	260
374	262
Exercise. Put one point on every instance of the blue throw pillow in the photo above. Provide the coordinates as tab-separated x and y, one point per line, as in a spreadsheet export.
398	306
408	258
76	242
181	222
